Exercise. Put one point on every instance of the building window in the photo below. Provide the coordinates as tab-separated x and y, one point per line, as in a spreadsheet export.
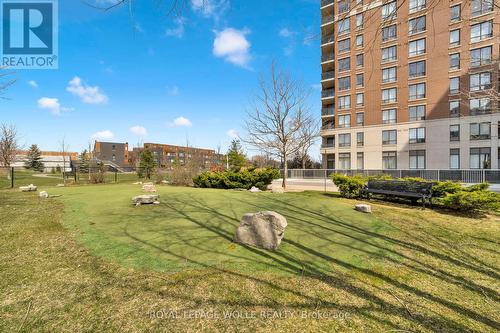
389	95
455	37
360	161
360	119
344	102
360	80
389	33
479	7
360	60
329	142
417	91
345	83
359	41
389	137
389	74
480	131
417	159
389	11
481	56
330	161
389	116
417	135
344	140
480	106
455	13
345	45
344	64
417	112
454	108
454	85
344	6
345	121
480	158
416	5
344	26
359	20
416	69
360	99
416	25
481	31
480	81
454	132
455	61
345	161
389	160
416	47
360	139
389	53
455	158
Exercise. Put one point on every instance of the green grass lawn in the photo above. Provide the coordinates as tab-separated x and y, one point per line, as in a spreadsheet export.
90	261
24	177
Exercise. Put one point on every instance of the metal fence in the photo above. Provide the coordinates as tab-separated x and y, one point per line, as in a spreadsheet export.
462	176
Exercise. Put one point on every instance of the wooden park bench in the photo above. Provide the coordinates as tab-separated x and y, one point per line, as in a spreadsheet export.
401	189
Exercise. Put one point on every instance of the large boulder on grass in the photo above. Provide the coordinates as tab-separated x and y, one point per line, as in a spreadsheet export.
147	199
29	188
263	229
363	208
149	187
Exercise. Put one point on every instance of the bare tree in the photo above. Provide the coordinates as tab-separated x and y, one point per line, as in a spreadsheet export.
64	149
9	144
309	133
279	113
6	79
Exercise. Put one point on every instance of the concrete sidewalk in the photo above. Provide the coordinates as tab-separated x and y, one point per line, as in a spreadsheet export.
296	185
327	185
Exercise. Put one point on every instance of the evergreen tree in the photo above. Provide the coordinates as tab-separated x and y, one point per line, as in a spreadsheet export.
147	164
34	159
84	161
236	157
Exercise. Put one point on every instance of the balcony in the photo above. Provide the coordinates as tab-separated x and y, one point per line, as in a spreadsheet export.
328	57
327	19
329	93
328	111
325	39
327	127
328	75
325	3
328	145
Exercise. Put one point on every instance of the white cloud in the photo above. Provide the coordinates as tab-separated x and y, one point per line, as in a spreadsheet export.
317	86
87	94
233	134
139	130
103	135
232	45
210	8
174	91
286	33
181	122
51	104
33	83
178	30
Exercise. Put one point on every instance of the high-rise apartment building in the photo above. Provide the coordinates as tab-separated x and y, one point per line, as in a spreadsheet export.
410	84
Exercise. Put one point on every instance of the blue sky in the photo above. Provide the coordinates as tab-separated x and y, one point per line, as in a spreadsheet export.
156	78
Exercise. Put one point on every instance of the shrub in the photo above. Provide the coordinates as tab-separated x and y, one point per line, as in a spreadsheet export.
472	201
441	189
350	187
244	179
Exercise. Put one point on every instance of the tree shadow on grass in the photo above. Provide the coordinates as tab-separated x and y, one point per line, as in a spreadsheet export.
181	206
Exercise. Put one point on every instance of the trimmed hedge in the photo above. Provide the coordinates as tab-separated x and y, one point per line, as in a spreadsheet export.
450	195
243	179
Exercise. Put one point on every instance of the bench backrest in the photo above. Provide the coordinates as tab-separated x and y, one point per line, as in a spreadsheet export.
400	186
